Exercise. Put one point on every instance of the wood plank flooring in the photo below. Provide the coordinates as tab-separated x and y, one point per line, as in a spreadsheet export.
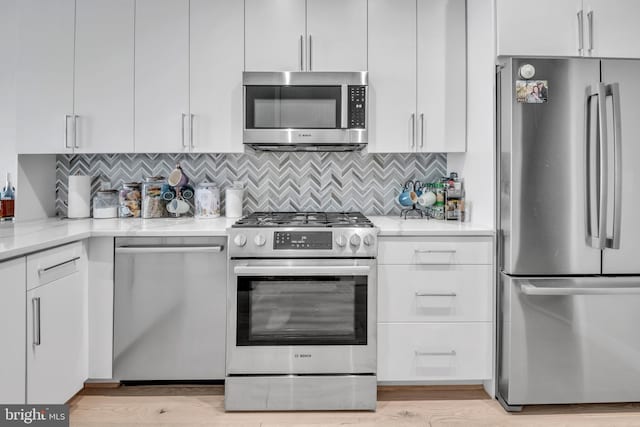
181	406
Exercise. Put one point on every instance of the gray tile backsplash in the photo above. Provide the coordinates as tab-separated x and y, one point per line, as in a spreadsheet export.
273	181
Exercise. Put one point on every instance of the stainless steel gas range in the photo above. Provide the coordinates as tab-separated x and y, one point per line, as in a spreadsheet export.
301	316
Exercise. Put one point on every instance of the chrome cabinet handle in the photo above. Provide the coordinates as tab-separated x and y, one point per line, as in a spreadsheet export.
167	249
301	52
435	353
66	131
310	68
421	130
191	144
182	130
435	251
412	133
35	306
423	294
614	91
60	264
75	131
590	19
581	32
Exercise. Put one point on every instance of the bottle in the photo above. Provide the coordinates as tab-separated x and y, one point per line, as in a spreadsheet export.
7	200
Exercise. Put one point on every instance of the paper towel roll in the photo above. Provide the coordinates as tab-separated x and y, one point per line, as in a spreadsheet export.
233	202
79	196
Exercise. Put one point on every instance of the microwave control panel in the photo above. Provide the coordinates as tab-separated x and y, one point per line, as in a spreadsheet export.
357	102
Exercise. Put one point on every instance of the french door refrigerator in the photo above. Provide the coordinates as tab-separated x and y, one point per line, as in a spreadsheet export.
569	231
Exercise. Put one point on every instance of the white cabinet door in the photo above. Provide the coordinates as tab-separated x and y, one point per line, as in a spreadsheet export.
217	61
392	76
615	28
104	76
162	76
12	331
442	76
56	340
337	35
44	76
543	27
275	35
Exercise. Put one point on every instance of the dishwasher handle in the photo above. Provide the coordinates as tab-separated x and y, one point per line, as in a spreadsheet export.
530	289
168	249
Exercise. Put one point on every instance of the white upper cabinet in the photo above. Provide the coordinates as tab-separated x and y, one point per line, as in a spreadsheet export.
162	76
543	27
44	76
442	75
417	76
217	61
104	76
275	35
305	35
612	28
591	28
392	76
336	35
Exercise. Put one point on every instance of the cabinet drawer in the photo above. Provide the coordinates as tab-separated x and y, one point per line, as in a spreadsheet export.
442	250
53	264
434	351
441	293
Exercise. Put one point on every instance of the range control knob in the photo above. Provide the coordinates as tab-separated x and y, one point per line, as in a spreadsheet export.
240	240
355	241
368	240
259	240
341	240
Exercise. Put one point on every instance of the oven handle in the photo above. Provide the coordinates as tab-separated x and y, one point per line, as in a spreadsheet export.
299	270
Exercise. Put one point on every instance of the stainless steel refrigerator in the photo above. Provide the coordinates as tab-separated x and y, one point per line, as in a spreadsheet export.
569	231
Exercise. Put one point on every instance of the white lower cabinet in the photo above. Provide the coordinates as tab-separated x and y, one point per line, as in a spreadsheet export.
56	338
435	309
12	331
434	351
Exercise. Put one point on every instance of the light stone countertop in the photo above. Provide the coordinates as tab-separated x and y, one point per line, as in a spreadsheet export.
20	238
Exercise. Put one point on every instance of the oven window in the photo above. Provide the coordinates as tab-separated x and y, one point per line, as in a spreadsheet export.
292	107
286	310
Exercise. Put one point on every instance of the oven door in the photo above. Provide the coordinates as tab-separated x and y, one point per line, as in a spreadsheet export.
304	316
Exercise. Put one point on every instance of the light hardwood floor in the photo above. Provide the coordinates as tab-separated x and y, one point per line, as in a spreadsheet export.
183	406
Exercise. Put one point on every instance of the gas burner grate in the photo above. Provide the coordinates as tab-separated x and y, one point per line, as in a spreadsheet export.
304	219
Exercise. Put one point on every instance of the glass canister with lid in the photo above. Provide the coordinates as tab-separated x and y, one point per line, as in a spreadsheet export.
153	206
207	200
130	198
105	204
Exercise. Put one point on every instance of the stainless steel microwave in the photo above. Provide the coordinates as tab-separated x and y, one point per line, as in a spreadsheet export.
305	111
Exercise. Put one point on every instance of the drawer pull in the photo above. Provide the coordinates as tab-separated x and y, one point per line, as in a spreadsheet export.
46	269
432	251
435	353
422	294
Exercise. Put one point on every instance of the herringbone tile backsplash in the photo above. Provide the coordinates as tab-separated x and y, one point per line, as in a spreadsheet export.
273	181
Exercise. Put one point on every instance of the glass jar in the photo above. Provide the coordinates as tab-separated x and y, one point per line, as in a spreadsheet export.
153	206
129	200
105	204
207	200
439	194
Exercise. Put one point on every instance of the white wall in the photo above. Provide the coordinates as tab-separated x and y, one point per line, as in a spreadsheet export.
476	166
8	50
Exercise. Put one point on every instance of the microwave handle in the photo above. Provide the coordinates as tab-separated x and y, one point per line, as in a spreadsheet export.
344	106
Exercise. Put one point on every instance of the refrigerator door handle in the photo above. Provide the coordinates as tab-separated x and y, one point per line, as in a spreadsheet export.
604	166
530	289
613	90
590	214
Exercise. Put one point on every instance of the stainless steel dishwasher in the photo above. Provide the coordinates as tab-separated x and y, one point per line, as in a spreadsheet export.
169	308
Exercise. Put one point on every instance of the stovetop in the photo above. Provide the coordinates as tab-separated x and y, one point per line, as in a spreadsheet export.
304	219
